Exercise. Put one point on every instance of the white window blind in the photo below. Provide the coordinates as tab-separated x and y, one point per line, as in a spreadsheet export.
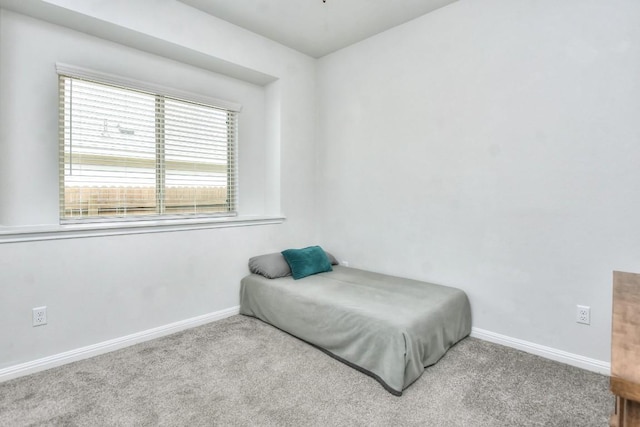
136	154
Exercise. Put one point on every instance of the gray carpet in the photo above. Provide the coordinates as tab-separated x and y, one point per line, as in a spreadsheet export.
240	371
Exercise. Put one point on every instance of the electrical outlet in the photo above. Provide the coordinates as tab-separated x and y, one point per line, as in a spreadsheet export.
345	263
583	314
39	316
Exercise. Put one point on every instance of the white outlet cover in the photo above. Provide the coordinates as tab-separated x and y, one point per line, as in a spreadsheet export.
39	316
583	314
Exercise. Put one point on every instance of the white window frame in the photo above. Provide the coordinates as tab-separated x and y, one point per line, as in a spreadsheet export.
106	78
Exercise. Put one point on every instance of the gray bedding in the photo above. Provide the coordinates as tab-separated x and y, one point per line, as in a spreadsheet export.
388	327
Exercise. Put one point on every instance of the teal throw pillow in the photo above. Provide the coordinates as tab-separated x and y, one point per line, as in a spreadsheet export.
307	261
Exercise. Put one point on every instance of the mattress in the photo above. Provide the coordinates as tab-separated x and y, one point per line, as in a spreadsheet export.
388	327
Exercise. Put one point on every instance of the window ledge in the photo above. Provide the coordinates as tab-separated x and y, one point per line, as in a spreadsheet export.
78	231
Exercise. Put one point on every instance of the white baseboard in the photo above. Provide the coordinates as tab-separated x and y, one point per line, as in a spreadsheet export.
129	340
543	351
111	345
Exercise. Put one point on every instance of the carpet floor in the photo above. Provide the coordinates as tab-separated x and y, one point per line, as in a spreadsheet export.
242	372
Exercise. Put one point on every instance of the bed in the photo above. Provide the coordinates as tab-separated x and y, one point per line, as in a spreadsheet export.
387	327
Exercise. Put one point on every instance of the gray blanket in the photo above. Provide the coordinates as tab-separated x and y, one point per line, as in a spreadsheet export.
388	327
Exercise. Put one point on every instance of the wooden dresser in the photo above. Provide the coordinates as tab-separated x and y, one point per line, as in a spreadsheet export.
625	349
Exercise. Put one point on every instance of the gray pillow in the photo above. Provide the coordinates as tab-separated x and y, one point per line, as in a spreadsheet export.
274	265
332	259
270	266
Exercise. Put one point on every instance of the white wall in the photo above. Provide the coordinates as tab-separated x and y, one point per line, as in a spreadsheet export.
101	288
489	145
492	145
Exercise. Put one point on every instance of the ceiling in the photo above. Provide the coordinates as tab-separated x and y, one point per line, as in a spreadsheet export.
314	27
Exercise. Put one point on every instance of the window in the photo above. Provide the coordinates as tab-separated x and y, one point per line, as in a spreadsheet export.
131	153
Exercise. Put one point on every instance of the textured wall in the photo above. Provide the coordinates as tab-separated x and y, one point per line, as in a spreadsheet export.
492	145
101	288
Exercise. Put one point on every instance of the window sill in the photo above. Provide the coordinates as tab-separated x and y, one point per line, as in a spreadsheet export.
78	231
